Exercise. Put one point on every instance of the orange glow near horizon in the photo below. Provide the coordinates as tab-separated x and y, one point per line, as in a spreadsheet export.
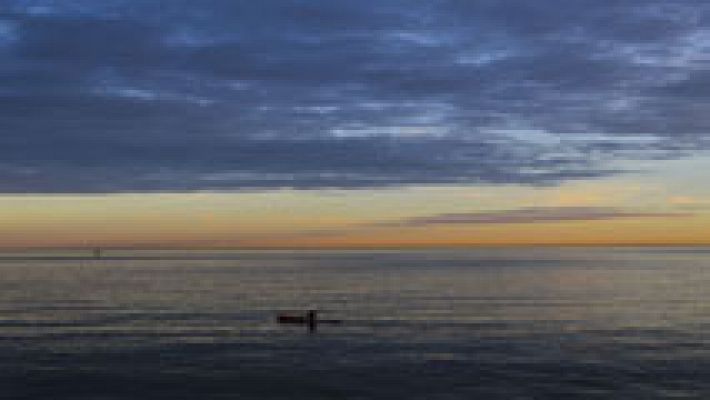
291	219
662	208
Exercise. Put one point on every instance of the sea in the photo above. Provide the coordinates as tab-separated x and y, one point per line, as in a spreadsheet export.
497	323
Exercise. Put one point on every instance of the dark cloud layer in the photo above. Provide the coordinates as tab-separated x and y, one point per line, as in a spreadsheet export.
147	95
531	215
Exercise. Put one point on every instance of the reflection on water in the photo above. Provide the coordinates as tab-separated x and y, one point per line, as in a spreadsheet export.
497	324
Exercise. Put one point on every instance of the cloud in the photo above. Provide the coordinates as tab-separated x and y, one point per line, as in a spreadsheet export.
140	95
530	215
689	202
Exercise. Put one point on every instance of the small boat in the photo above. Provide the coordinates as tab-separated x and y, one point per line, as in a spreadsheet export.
291	319
310	318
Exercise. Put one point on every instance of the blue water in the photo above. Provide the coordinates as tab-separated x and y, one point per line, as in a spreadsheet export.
448	324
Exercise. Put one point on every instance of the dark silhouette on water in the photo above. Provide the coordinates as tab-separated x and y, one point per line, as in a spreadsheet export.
310	319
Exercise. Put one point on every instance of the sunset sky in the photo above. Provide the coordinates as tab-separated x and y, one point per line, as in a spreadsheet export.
326	123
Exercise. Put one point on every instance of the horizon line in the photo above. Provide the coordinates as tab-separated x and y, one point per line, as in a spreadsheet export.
362	247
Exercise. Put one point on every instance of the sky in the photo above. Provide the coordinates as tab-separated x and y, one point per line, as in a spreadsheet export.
328	123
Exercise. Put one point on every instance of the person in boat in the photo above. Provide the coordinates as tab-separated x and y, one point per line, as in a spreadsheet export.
312	319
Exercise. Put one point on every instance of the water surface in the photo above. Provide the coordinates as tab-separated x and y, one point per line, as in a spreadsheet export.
603	323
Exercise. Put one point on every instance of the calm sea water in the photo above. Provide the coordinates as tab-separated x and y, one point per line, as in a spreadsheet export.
465	324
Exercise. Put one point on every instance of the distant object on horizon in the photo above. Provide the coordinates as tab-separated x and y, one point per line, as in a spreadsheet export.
310	318
97	252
